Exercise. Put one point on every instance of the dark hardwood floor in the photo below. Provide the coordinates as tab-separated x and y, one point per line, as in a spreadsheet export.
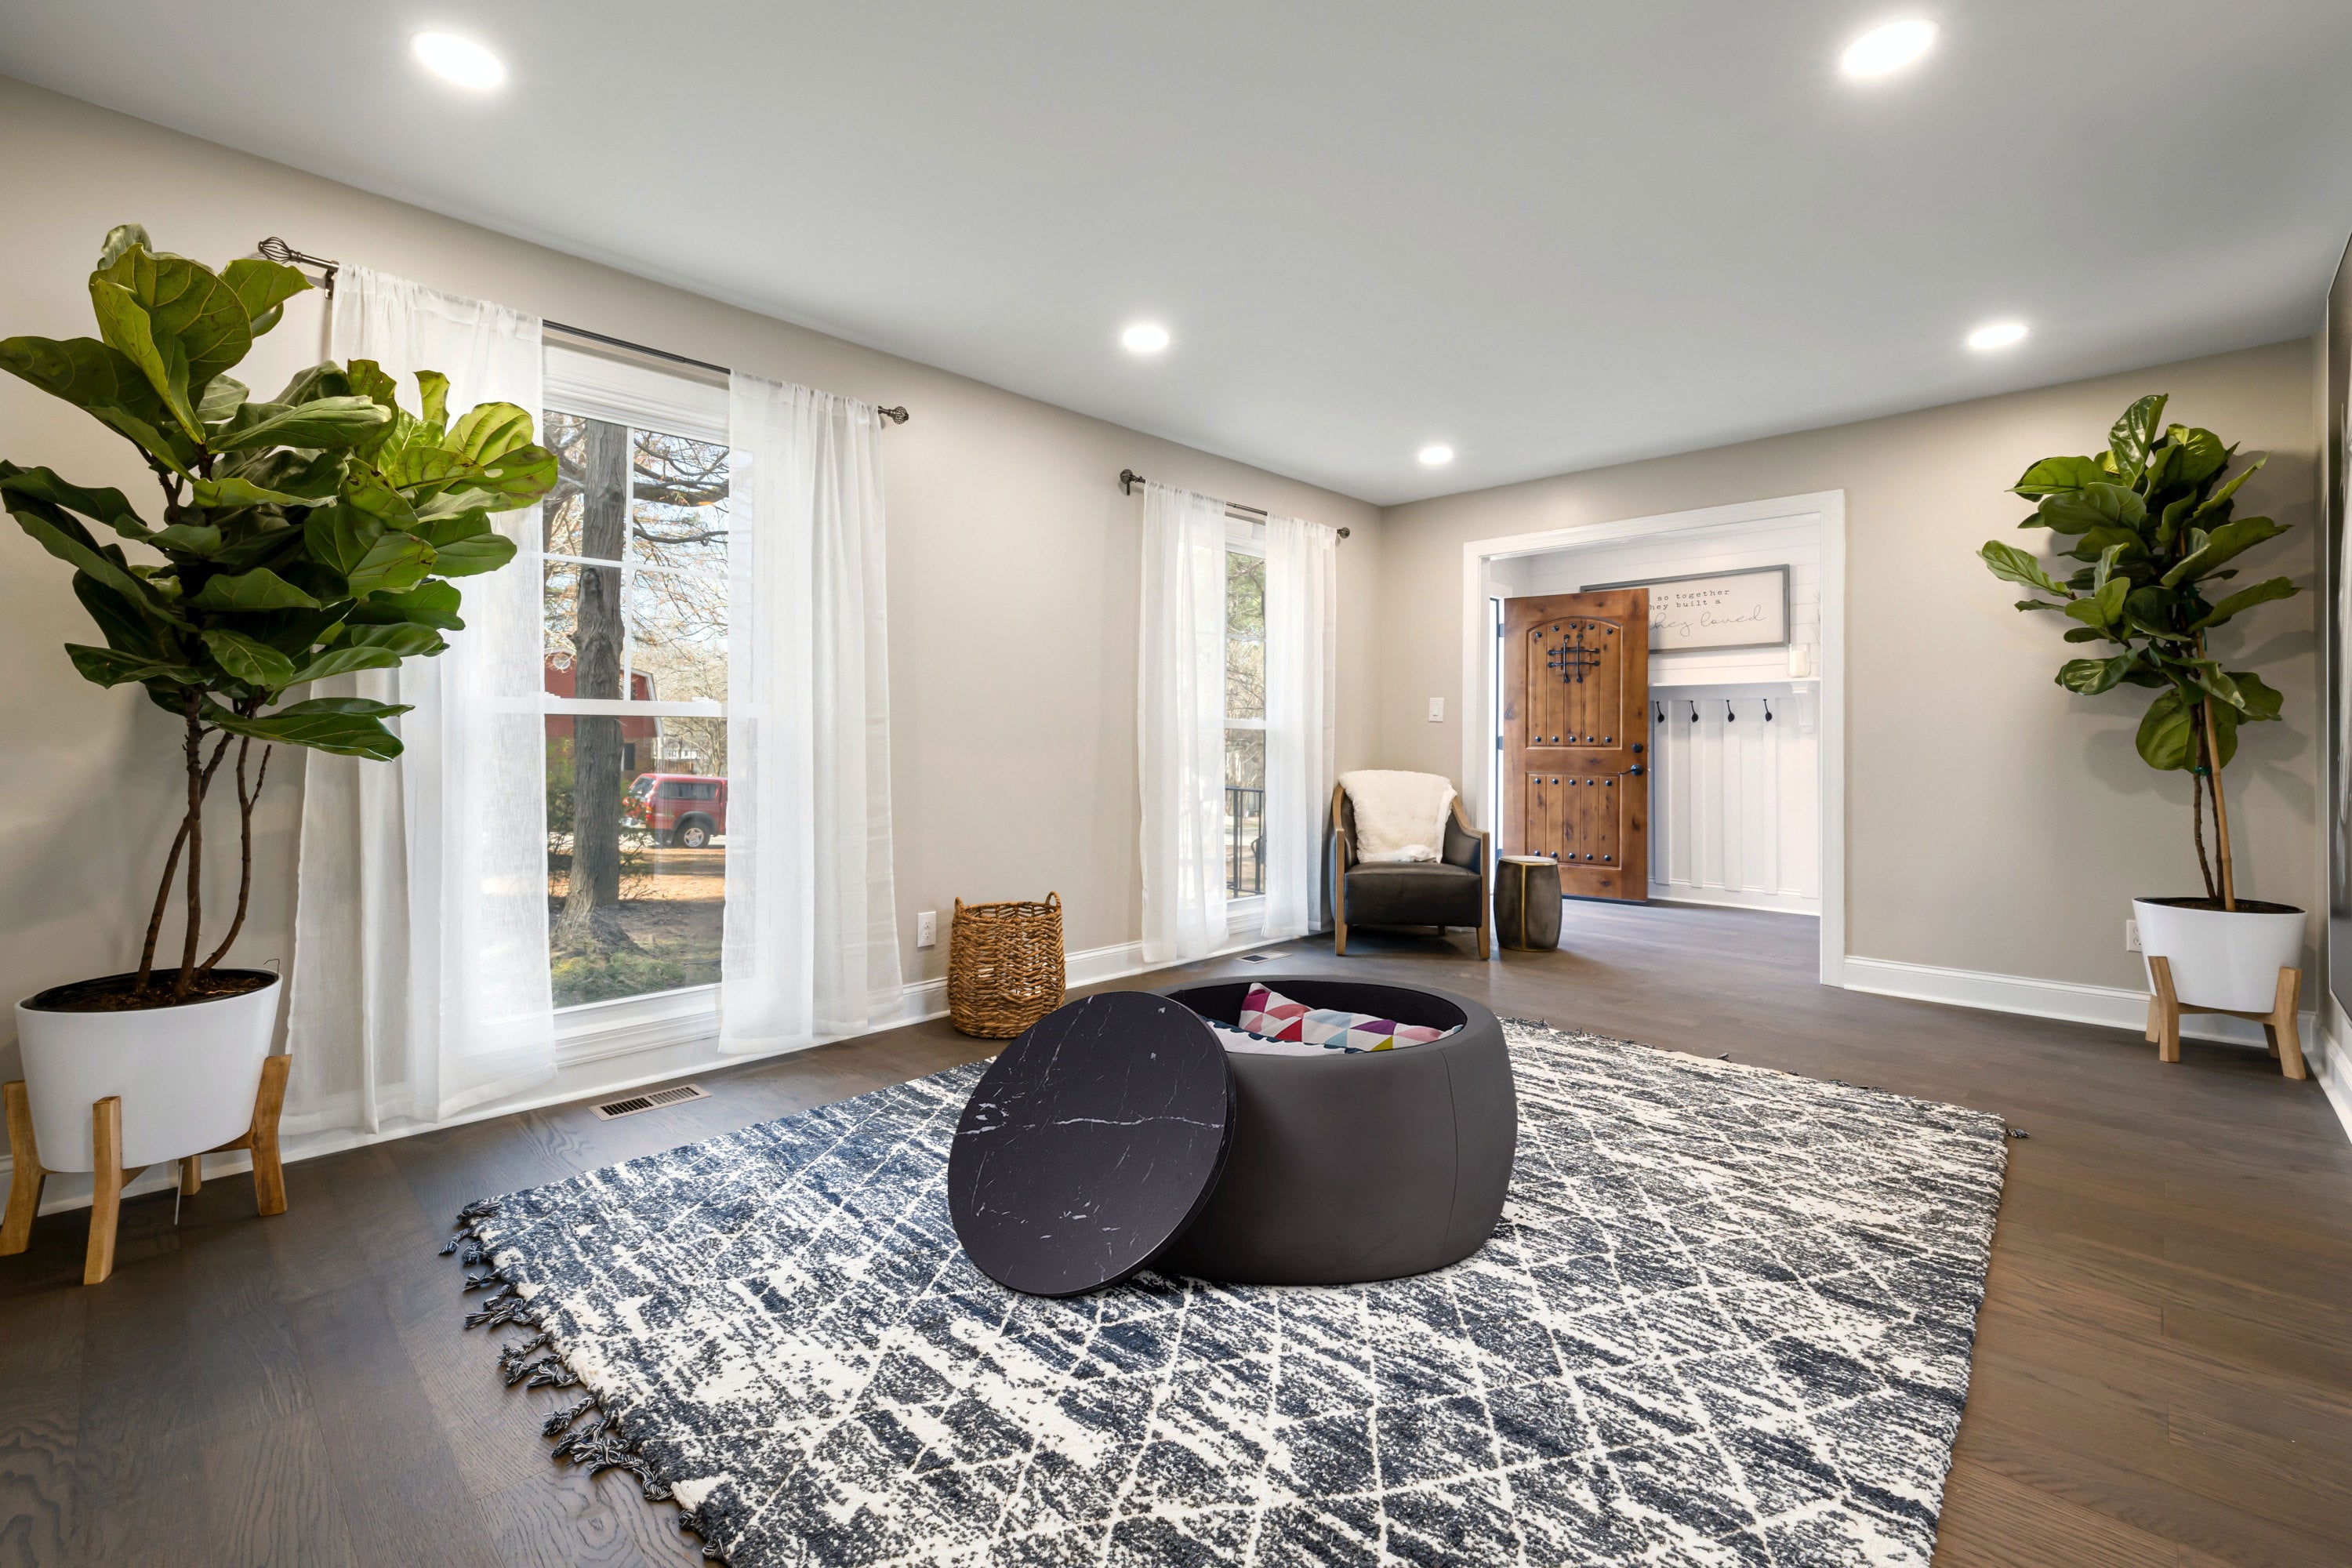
2163	1372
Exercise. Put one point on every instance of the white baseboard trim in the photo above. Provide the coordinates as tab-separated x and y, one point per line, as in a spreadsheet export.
2066	999
596	1075
1735	899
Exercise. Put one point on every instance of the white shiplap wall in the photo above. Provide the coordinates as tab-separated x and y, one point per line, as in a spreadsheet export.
1735	802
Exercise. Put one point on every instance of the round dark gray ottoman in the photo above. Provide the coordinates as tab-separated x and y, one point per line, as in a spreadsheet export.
1346	1168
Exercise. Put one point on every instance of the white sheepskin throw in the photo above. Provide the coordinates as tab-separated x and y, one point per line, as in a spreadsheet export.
1399	816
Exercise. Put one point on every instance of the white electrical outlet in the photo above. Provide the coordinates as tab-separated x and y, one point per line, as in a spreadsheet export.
2131	935
1437	709
927	929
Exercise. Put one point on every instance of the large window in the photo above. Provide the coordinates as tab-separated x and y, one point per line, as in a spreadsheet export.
636	626
1245	718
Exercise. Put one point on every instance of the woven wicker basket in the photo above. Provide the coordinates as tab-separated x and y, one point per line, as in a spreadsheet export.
1004	966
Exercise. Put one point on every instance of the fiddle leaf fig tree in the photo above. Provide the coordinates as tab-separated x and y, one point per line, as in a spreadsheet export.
2152	522
310	534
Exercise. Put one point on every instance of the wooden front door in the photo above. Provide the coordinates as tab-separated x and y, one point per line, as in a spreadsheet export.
1576	728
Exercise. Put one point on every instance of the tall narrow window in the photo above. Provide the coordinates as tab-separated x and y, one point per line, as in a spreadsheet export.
1244	826
636	623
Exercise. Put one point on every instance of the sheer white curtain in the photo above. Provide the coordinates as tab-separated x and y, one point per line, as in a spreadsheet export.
1180	728
811	947
1302	597
420	951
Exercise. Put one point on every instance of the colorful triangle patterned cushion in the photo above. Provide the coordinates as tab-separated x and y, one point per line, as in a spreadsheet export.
1276	1016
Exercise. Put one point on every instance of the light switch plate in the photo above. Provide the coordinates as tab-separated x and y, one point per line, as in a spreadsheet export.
927	929
1437	709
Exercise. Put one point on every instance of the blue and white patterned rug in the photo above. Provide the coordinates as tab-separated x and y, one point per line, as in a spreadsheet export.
1726	1321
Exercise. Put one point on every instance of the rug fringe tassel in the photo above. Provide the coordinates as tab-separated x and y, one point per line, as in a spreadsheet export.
598	1444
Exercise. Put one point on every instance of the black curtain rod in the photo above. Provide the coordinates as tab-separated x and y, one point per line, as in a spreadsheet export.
1129	478
278	250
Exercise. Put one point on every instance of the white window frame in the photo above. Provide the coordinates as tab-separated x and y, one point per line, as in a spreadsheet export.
622	391
1244	536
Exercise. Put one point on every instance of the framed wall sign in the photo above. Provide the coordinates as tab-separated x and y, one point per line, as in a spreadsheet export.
1715	609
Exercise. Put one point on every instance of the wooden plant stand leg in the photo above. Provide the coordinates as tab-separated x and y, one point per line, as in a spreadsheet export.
2165	1010
2279	1028
192	1175
106	1178
261	1137
25	1184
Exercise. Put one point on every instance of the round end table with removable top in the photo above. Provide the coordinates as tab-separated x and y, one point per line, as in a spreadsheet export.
1090	1144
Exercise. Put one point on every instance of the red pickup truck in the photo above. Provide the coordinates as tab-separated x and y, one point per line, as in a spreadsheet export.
685	809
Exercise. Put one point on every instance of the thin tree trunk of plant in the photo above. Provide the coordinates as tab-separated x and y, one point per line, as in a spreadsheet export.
2196	828
2221	812
171	867
244	803
193	751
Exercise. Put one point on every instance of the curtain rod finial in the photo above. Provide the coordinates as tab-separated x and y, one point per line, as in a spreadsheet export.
1128	480
895	415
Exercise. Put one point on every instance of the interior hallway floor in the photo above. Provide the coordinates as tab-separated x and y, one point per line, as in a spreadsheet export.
2163	1371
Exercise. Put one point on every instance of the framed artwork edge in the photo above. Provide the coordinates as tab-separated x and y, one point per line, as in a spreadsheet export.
1782	641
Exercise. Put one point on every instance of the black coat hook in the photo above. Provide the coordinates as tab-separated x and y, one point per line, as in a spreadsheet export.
1694	712
1730	714
1661	711
1768	709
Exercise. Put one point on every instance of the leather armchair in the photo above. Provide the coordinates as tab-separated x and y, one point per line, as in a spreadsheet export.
1449	891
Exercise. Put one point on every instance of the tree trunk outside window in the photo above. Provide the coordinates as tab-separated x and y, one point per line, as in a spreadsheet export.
595	880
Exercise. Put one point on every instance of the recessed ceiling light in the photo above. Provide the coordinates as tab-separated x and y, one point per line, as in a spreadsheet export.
1143	338
1436	455
458	59
1887	48
1997	335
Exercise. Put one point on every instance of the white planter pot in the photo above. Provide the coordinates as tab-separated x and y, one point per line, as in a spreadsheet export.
2222	958
187	1075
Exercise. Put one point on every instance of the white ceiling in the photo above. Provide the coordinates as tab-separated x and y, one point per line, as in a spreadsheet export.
1553	235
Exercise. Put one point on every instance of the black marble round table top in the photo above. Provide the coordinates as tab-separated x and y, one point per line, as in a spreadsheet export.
1091	1143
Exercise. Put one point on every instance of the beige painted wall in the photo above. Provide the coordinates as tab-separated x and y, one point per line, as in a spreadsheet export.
1994	821
1014	562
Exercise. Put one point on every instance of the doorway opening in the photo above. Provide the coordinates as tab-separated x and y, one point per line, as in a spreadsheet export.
1740	740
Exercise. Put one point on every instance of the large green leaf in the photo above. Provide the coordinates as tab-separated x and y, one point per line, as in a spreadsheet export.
2102	609
348	726
261	589
340	537
113	667
62	535
2011	564
195	539
2153	612
120	238
104	504
343	660
407	640
121	622
325	379
394	564
327	422
262	288
470	557
2221	498
189	303
2135	433
432	603
2166	737
222	398
2203	454
490	431
2089	676
127	328
2260	700
2246	599
2096	505
226	494
96	376
255	663
2238	534
2053	475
